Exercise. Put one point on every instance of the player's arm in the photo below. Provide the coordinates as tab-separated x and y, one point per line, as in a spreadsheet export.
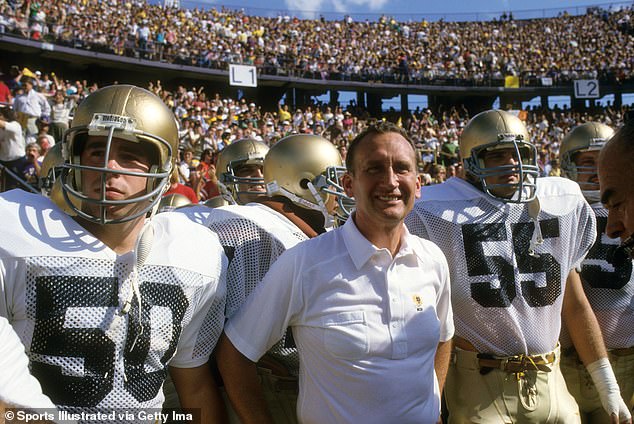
441	362
241	381
586	336
197	391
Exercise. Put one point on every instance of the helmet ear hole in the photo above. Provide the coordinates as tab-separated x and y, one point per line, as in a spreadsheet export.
303	183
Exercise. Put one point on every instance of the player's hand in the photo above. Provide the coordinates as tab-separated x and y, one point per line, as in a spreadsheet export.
624	417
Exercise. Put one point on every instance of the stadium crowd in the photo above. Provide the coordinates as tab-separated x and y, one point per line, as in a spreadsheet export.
208	123
595	45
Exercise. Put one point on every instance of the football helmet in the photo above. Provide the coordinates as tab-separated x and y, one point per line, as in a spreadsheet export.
587	137
239	153
172	201
133	115
493	130
218	201
306	169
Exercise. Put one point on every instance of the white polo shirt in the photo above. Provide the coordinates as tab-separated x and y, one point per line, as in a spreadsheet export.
366	326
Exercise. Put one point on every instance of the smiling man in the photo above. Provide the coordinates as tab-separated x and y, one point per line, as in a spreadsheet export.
513	243
368	303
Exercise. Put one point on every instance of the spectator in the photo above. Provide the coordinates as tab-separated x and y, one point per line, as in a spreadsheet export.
60	115
31	106
178	188
12	146
30	169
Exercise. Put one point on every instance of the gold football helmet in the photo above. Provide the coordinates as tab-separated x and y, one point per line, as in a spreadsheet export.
172	201
587	137
218	201
236	155
127	113
306	169
497	129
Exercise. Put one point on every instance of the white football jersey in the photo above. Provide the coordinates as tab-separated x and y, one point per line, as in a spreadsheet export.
610	289
63	291
507	288
253	237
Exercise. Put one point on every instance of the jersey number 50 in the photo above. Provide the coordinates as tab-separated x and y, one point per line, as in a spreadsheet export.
59	343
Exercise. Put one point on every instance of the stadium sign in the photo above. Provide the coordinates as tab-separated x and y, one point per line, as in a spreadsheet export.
243	75
587	89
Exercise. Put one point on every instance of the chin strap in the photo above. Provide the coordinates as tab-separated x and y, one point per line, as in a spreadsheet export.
537	239
272	188
329	222
141	253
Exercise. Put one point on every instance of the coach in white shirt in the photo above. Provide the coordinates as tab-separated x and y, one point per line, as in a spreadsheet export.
368	304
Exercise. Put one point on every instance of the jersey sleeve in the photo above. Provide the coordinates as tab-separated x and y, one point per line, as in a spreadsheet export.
200	336
587	233
251	251
263	319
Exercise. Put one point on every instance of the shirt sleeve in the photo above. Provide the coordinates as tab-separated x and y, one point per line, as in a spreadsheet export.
269	310
199	337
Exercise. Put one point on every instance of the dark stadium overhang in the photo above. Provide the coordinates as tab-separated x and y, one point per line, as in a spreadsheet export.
80	57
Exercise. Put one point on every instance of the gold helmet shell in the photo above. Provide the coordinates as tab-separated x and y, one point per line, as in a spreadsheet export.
498	129
173	201
127	113
218	201
304	169
242	152
582	138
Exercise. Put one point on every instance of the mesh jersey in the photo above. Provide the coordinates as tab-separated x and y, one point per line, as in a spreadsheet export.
63	291
253	236
610	290
506	301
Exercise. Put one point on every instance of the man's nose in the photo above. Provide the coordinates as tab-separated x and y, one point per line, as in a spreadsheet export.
614	227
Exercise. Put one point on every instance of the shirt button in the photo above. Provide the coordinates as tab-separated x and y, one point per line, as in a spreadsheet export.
394	299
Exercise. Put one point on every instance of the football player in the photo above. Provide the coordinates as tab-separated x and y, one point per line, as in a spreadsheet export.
239	171
608	286
513	243
108	299
301	206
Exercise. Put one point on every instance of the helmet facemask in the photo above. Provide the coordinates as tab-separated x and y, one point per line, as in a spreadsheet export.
332	185
526	168
234	185
583	174
124	129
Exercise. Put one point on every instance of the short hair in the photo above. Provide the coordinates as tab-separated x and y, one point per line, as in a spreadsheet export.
381	127
8	114
37	147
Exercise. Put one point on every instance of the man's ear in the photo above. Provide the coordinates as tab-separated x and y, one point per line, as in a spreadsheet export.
346	183
419	184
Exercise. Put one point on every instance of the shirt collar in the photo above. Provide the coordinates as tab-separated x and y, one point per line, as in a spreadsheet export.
361	250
